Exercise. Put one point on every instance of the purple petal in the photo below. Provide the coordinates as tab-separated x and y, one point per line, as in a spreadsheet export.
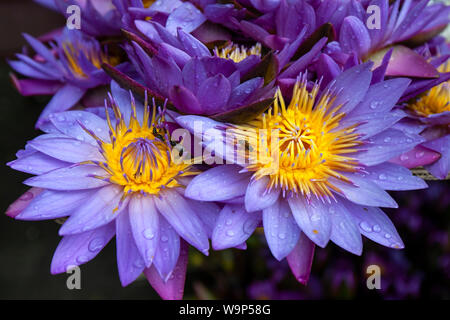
144	221
78	177
381	97
441	167
234	226
257	197
344	230
69	123
74	250
327	68
390	176
419	156
214	94
186	17
32	87
386	145
129	260
22	202
403	58
194	74
97	211
194	47
300	259
313	218
225	180
67	149
37	163
168	249
351	86
208	212
53	204
173	288
371	124
375	225
364	192
185	101
183	219
280	228
354	36
64	99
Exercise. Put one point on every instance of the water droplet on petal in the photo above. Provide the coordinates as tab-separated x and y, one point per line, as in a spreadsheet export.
95	244
82	259
148	234
365	226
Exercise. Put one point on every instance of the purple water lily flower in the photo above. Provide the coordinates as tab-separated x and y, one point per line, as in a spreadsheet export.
360	37
195	80
66	69
273	23
115	176
429	115
322	177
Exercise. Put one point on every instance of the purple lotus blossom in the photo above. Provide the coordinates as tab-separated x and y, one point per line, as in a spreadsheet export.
429	115
70	67
274	23
408	22
322	178
195	80
115	176
399	22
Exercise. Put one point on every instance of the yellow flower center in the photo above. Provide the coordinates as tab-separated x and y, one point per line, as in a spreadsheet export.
236	53
435	100
140	157
299	147
74	51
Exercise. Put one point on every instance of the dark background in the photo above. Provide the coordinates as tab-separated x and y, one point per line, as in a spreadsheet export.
26	248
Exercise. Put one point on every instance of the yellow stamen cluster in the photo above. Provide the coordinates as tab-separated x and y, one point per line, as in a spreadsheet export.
139	156
236	53
74	51
435	100
308	148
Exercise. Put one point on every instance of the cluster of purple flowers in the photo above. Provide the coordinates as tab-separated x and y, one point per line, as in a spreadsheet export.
176	123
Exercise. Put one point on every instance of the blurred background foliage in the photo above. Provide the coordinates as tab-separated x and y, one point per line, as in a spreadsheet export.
421	270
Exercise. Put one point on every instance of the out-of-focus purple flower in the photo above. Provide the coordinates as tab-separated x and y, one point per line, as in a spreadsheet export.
115	176
322	179
66	69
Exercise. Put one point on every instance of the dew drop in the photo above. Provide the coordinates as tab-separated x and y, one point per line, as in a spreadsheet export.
95	245
148	234
365	226
82	259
